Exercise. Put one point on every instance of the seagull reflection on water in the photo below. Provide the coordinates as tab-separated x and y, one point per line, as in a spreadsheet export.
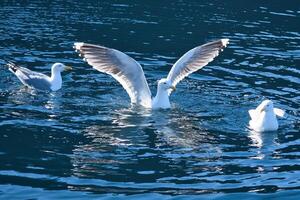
265	144
256	139
121	140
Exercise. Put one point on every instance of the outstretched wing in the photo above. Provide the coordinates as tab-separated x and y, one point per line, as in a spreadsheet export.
253	114
279	112
195	59
122	67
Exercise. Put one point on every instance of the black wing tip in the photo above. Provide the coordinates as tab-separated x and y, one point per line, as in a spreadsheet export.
77	45
82	48
11	65
221	43
225	42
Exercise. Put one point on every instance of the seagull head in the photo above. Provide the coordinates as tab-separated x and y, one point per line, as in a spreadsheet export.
266	106
165	85
59	67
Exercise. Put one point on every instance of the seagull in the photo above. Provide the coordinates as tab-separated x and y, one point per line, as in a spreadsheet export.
37	80
263	118
130	75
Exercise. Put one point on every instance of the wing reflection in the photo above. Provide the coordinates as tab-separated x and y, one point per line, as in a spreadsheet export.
132	140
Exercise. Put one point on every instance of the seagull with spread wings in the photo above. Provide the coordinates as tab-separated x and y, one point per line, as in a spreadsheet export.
130	74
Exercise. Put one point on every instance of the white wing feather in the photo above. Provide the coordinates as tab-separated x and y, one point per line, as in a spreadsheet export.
122	67
279	112
195	59
253	114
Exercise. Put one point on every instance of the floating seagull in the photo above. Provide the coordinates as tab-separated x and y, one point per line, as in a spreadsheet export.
263	118
131	76
38	80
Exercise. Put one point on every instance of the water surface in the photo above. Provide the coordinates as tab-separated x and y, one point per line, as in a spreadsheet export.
87	141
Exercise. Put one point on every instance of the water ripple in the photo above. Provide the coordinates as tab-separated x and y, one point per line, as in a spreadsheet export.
87	139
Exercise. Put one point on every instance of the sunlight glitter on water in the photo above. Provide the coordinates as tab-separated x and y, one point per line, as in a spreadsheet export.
87	141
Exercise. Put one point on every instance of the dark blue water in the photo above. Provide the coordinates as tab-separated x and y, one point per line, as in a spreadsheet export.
86	141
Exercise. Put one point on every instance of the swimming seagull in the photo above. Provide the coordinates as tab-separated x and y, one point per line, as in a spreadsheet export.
263	118
38	80
130	74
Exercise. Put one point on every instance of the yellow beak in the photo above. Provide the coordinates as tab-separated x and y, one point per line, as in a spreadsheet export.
68	68
173	88
262	110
